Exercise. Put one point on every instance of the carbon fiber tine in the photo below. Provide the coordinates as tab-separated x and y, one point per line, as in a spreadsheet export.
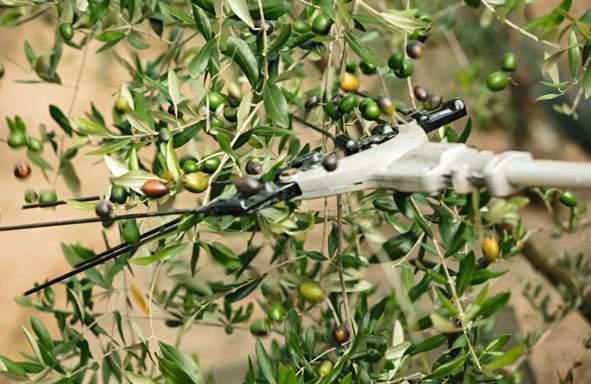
142	236
109	256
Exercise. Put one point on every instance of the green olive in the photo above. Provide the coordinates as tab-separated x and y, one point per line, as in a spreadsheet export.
16	139
347	104
472	3
31	196
190	166
66	31
2	70
130	232
118	194
215	99
216	123
196	182
46	197
260	327
311	292
497	81
276	312
365	102
367	68
569	199
351	66
395	61
322	24
301	26
325	368
231	114
405	70
371	111
164	135
509	62
122	106
332	110
211	165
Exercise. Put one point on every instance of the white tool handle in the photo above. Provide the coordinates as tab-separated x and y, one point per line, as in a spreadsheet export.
548	173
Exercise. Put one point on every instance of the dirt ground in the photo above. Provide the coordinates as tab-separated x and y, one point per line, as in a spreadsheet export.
31	256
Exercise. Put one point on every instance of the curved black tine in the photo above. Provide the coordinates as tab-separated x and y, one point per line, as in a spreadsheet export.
60	202
96	261
98	219
151	232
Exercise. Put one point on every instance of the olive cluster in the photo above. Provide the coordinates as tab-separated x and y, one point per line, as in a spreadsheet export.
498	80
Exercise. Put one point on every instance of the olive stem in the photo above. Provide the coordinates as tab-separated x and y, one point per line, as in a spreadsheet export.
60	202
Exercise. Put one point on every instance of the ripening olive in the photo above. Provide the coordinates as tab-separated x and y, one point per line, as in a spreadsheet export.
301	26
211	165
349	82
386	105
490	249
46	197
395	61
118	194
415	49
509	62
371	111
433	102
190	166
347	104
66	31
330	163
368	68
103	209
260	327
340	334
311	292
215	99
497	81
259	27
231	114
276	312
196	182
34	144
130	231
16	139
332	110
121	105
351	66
569	199
405	70
253	167
247	185
312	102
22	170
322	24
154	188
421	93
325	368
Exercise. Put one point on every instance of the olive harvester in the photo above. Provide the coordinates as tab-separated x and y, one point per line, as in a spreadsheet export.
399	158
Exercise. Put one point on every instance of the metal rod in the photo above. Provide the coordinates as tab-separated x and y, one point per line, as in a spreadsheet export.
310	125
98	219
60	202
111	255
142	236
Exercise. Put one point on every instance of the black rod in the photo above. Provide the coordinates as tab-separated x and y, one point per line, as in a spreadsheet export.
142	236
97	219
310	125
60	202
95	262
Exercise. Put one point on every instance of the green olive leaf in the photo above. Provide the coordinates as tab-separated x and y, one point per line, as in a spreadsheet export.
275	105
